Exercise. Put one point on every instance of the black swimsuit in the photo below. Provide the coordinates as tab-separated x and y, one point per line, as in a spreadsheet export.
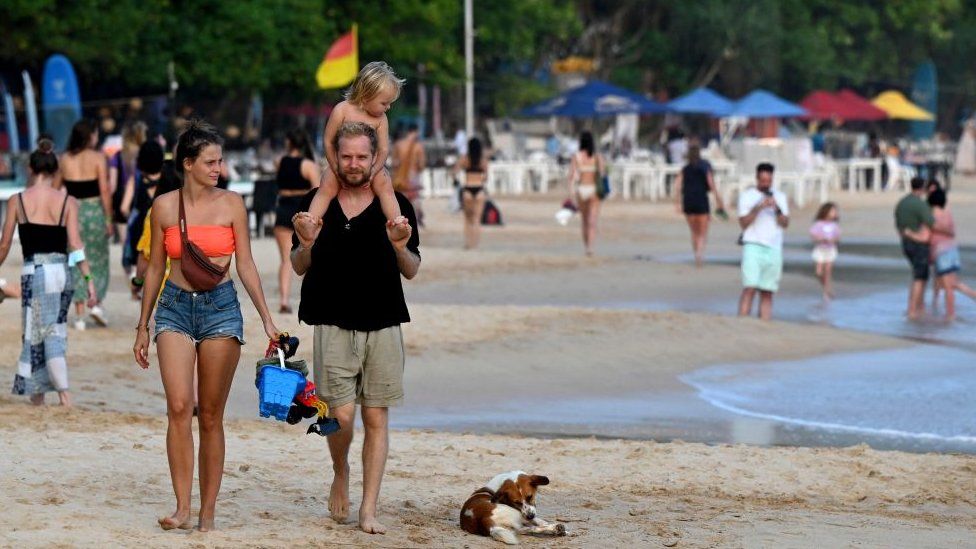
473	190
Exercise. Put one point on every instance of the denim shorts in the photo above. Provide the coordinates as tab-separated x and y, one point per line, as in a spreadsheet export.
948	261
200	315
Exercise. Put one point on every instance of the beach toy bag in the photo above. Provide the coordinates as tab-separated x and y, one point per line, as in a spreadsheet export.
277	387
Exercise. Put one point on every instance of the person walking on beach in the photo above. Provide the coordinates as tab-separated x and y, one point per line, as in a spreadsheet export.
474	164
297	174
694	182
83	174
585	170
47	222
352	294
409	161
763	214
944	254
197	328
825	233
914	220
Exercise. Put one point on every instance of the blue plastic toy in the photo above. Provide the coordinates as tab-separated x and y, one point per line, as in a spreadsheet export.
277	387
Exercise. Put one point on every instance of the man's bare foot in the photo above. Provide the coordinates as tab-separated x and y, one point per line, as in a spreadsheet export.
65	398
370	525
37	399
205	524
179	519
339	495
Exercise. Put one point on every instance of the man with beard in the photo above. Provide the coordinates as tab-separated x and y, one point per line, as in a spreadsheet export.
352	260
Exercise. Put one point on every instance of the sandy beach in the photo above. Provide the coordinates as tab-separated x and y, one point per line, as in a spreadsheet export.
507	343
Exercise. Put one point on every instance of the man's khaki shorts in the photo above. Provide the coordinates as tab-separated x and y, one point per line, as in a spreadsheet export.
361	367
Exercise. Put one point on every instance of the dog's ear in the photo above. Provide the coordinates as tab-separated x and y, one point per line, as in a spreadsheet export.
539	480
504	493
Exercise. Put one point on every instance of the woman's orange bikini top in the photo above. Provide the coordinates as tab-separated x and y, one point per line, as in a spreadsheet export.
213	240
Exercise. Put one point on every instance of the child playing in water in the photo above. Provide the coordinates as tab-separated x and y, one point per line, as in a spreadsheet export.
825	233
367	100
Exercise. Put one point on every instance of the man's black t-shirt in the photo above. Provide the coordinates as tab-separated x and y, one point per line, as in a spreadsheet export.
353	281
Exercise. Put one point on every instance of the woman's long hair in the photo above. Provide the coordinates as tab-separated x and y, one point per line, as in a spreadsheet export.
81	134
474	153
298	139
586	143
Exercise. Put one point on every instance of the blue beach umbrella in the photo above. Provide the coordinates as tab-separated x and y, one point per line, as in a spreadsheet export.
702	101
763	104
595	98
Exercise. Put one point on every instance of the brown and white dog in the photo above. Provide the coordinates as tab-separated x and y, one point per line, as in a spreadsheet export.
506	506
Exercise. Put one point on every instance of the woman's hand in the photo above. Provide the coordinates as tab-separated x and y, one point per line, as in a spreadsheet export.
92	294
270	329
141	347
109	228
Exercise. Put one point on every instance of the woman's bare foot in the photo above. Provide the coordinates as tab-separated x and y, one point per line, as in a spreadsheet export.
369	524
339	495
65	398
205	524
37	399
179	519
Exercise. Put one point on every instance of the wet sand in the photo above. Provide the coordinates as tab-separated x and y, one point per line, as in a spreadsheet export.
522	336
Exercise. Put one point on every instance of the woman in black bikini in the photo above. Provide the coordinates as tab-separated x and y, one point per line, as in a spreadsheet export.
297	174
473	196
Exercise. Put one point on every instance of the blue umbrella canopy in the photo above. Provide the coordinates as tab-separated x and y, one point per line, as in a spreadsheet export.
763	104
595	98
702	101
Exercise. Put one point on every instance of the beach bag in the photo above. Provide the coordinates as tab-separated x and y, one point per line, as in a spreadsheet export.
491	215
603	187
196	267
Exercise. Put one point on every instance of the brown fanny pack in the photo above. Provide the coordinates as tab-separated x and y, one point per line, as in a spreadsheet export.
196	267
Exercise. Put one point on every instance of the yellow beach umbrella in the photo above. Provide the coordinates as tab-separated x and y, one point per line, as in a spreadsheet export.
898	106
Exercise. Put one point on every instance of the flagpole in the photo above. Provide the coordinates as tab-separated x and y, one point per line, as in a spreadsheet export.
468	69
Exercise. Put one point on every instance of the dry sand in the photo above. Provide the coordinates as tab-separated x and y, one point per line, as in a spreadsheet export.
525	314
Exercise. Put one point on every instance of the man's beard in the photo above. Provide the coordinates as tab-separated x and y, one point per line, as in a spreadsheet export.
355	178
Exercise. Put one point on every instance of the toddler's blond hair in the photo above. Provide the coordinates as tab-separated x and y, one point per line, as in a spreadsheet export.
370	82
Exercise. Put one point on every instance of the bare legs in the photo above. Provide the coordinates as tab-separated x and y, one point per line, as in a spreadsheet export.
589	210
283	237
217	361
916	299
950	283
825	273
375	448
765	303
177	356
698	224
474	208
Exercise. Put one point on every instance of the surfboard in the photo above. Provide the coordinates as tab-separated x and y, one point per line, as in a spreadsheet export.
13	137
925	94
30	106
61	101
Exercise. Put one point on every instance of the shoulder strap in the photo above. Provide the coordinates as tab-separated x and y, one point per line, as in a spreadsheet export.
20	202
64	206
183	234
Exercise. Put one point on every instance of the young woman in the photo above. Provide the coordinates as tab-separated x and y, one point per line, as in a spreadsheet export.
83	174
473	195
195	326
297	174
122	171
585	170
47	221
693	185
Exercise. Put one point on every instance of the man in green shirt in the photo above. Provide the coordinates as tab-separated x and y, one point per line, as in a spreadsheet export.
913	219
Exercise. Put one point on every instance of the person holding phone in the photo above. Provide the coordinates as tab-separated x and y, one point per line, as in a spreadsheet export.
763	215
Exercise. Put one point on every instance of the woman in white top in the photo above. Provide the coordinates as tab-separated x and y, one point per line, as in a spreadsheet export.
585	170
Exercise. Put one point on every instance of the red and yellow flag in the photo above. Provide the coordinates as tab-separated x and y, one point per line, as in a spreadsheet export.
341	63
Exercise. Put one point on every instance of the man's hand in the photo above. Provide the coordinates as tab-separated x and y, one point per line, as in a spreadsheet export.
398	231
307	228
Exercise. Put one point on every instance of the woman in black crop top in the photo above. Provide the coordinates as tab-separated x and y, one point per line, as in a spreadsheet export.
47	220
84	174
297	174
